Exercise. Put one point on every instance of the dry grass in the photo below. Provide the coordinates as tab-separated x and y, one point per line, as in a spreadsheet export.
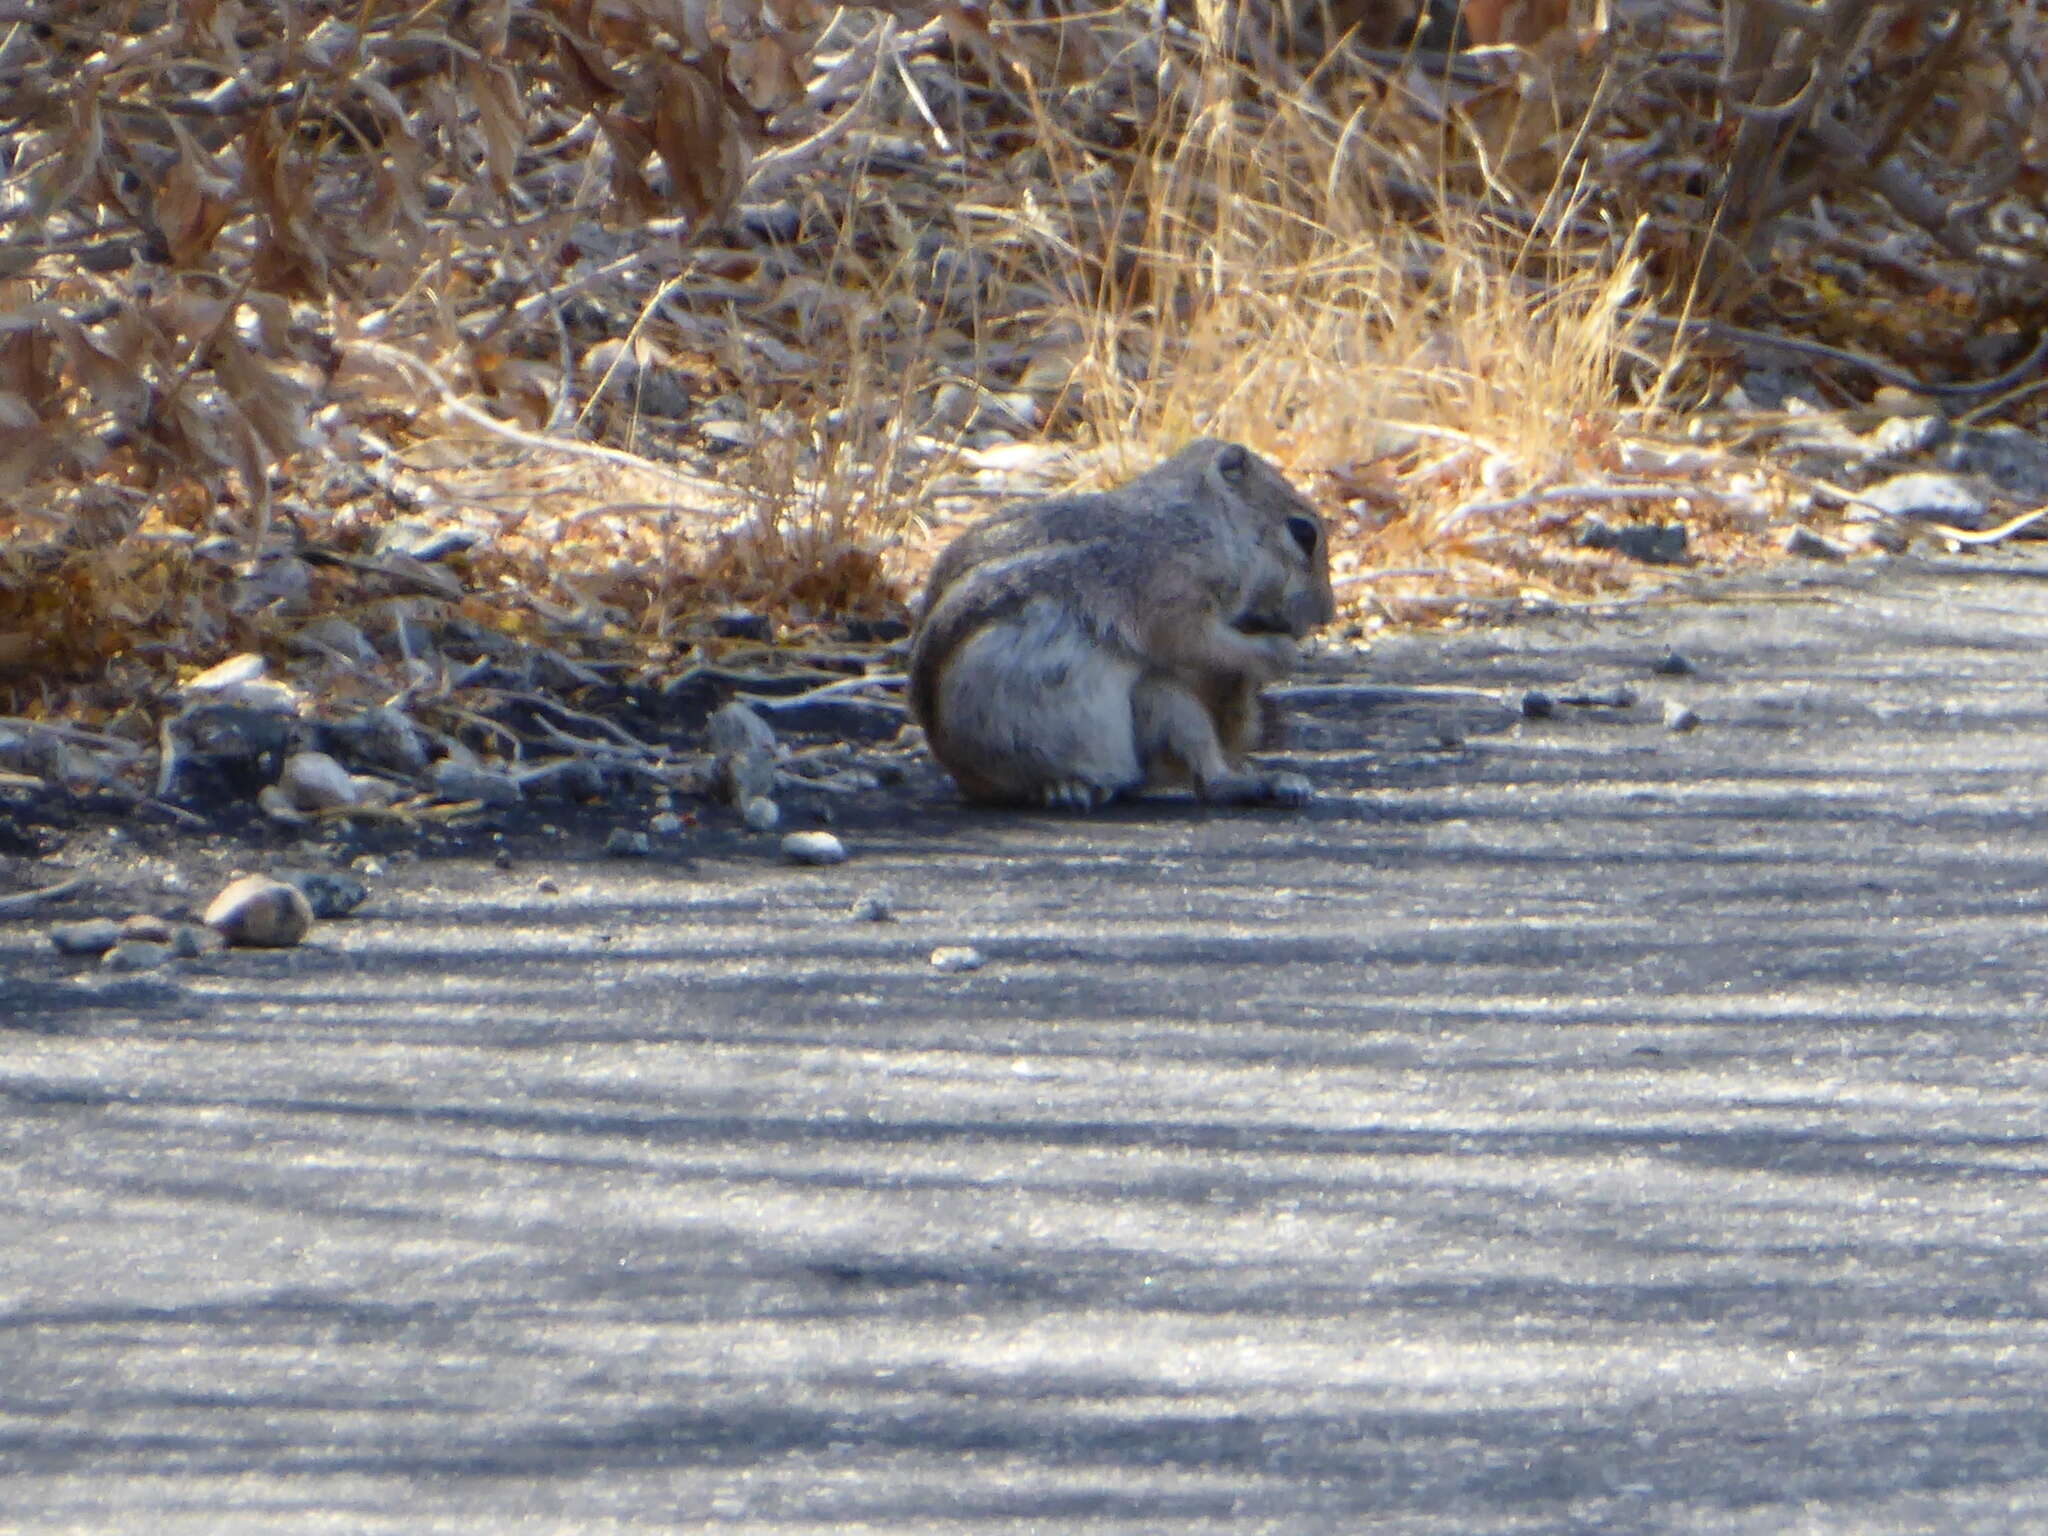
284	273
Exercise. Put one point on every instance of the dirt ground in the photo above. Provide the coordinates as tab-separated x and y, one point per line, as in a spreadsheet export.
1568	1123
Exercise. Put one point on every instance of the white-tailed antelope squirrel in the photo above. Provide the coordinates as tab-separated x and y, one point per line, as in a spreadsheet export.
1080	647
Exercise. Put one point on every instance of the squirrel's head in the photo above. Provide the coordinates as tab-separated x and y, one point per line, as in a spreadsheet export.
1288	589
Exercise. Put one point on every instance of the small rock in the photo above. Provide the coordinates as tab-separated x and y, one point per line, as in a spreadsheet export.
259	912
1672	664
136	955
2011	458
367	865
381	737
328	894
232	673
147	927
1903	436
455	780
1538	705
1651	543
1927	496
1809	545
1449	737
191	940
957	957
760	814
813	848
93	936
572	778
227	749
624	843
743	746
502	859
664	823
313	781
1679	717
546	886
874	907
43	754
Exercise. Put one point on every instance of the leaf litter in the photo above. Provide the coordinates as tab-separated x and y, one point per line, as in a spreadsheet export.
477	396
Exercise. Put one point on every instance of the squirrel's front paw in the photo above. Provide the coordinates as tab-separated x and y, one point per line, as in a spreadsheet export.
1289	789
1282	789
1074	795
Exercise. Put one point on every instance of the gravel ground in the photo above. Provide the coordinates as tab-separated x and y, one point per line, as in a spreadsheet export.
1567	1124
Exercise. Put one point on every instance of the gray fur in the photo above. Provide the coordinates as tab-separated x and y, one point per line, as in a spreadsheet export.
1078	648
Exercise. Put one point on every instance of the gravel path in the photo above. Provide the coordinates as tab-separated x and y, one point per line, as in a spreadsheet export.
1571	1124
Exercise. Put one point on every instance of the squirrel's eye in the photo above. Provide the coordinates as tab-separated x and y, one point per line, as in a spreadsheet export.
1233	461
1305	533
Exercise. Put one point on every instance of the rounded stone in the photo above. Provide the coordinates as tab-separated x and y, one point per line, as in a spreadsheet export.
260	913
813	848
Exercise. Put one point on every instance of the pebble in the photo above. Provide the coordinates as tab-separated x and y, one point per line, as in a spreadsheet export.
957	957
1673	664
329	895
743	745
2010	457
147	927
259	912
1679	717
873	907
761	814
1929	496
232	673
1538	705
313	781
136	955
193	940
93	936
1901	437
453	780
664	823
624	843
547	886
384	738
813	848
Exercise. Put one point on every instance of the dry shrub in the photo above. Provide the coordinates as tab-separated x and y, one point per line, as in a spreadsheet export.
276	272
1265	269
211	201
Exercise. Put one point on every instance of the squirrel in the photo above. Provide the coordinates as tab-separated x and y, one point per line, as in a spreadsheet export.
1078	648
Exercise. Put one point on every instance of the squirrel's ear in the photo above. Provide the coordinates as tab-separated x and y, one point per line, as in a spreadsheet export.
1233	461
